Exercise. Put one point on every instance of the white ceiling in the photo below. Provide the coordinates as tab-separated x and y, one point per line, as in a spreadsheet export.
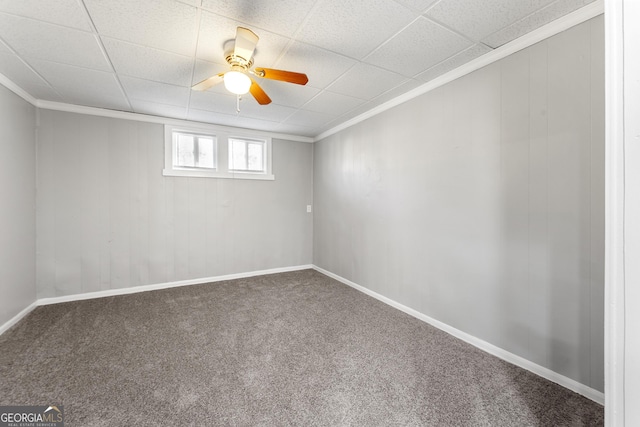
142	56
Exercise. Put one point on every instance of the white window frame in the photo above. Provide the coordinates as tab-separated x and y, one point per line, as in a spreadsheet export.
248	141
197	136
221	138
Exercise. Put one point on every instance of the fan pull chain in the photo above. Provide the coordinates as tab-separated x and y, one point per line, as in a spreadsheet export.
238	105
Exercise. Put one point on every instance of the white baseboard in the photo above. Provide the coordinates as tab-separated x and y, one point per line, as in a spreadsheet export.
15	319
145	288
555	377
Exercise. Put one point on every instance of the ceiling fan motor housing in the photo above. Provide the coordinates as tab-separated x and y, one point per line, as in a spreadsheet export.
238	62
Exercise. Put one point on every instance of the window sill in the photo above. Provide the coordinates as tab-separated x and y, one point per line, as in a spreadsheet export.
223	175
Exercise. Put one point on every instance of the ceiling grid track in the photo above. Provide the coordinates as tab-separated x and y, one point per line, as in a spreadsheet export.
98	38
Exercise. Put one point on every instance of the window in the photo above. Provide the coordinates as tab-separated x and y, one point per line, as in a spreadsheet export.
246	155
194	151
214	153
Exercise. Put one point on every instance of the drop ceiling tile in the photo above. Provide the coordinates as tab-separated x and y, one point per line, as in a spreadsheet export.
81	85
533	21
99	101
43	92
311	119
51	42
248	123
69	13
157	109
288	94
213	102
161	24
418	47
281	17
302	132
318	130
162	93
149	64
333	103
366	81
478	19
417	5
271	112
350	115
4	48
204	116
191	2
230	120
295	130
396	92
449	64
343	26
216	31
17	71
321	66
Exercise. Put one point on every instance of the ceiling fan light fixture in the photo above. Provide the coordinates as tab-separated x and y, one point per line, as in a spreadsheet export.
240	58
237	82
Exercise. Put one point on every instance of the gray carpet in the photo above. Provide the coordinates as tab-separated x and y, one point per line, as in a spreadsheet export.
285	349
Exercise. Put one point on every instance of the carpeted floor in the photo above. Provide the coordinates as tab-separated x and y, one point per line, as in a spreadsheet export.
285	349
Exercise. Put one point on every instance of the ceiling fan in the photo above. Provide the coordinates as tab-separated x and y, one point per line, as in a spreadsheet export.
237	79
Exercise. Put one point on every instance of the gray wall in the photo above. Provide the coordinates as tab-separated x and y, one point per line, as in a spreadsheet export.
18	204
108	219
481	203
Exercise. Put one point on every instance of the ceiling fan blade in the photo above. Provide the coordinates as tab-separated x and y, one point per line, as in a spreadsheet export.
259	94
207	83
245	45
285	76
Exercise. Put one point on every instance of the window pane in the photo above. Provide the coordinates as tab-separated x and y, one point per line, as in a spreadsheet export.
238	154
185	154
255	157
205	153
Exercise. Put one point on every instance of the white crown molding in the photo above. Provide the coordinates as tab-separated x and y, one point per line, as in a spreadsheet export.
4	81
145	288
561	24
555	377
115	114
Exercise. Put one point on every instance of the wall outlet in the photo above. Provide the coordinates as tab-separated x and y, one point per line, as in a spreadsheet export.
308	208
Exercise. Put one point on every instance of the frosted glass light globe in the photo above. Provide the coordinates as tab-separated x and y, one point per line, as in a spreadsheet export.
237	82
